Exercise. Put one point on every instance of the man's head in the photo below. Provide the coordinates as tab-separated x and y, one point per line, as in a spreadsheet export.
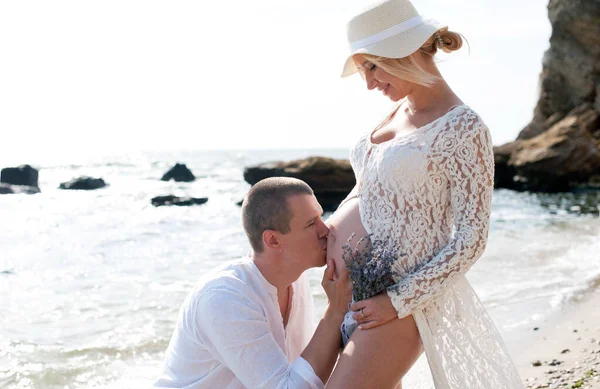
282	216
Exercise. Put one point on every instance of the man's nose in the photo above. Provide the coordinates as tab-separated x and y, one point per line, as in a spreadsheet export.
324	230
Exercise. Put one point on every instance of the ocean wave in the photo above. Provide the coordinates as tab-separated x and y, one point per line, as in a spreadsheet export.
26	365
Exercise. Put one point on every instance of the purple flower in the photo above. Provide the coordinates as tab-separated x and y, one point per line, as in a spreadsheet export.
370	266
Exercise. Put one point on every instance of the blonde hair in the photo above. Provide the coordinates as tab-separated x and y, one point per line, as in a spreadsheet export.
407	68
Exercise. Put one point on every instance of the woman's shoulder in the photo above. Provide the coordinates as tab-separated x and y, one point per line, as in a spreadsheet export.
460	121
465	117
462	127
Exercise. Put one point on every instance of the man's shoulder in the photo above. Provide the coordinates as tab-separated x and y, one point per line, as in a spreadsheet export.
233	277
221	288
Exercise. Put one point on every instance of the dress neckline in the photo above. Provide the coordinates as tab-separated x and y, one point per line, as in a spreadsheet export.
415	131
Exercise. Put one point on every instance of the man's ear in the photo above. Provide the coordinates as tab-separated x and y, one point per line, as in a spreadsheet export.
271	239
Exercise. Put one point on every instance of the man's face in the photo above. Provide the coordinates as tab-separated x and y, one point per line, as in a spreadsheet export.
306	243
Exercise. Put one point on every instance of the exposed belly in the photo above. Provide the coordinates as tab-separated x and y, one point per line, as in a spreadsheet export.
343	224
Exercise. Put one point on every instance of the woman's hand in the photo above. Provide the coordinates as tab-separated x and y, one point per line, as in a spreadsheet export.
374	312
337	289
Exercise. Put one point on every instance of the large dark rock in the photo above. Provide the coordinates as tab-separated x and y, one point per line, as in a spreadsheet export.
558	160
22	175
179	173
18	189
560	149
570	68
179	201
330	179
504	174
83	183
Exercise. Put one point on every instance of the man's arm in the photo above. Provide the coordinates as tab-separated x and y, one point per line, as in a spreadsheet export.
323	349
237	330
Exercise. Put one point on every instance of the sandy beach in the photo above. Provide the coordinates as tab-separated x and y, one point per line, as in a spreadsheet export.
564	351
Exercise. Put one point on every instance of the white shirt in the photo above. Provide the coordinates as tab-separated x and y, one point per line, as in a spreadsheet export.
230	334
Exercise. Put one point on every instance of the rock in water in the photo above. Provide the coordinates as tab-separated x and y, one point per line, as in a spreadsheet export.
179	201
331	179
560	149
83	183
179	173
557	160
18	189
23	175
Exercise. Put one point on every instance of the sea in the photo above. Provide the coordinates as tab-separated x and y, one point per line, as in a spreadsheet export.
91	281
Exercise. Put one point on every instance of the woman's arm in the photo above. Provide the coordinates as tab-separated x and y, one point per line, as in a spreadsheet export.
465	153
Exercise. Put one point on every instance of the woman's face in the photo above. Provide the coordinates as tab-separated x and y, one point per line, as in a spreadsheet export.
376	78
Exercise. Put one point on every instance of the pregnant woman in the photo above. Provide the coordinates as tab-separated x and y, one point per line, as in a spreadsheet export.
424	187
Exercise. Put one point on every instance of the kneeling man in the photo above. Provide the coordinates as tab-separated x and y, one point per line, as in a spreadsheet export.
248	324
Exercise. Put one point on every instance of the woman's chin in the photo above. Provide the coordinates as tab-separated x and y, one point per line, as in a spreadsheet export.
391	94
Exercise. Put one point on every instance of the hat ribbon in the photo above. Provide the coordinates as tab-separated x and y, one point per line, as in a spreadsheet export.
388	32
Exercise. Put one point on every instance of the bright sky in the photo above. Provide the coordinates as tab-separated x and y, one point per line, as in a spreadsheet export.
156	75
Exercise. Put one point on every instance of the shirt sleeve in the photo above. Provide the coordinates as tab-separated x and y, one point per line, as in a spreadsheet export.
465	153
236	329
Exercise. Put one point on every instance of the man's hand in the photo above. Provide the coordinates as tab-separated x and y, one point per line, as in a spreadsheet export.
374	312
337	289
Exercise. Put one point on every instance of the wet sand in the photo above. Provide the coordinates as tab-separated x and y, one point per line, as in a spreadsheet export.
564	350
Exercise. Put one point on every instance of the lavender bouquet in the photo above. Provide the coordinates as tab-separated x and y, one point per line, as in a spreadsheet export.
371	268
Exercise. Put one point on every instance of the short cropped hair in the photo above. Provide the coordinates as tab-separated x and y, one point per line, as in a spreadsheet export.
266	207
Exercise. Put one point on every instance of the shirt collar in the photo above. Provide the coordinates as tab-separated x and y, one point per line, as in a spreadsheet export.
270	288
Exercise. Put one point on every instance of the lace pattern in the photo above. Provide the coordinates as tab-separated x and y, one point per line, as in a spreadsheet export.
429	194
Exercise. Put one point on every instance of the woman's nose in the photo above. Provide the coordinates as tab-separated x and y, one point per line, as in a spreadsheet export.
371	82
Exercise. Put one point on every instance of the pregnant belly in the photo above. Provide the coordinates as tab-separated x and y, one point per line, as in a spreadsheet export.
344	224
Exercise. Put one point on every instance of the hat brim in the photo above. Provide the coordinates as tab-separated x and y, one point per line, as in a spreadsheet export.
397	46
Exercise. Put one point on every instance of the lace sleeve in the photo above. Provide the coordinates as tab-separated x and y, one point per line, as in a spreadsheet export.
464	151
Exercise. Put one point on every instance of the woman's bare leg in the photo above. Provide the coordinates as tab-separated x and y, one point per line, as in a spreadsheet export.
379	357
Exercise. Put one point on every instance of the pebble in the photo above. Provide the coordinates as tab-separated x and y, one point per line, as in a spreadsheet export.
582	372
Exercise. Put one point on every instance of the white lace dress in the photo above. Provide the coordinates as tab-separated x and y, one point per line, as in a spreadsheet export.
429	193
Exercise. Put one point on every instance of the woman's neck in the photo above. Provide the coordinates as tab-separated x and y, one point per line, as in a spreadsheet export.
429	99
438	97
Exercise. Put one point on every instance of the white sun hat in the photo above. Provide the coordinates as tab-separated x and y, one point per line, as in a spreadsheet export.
391	29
